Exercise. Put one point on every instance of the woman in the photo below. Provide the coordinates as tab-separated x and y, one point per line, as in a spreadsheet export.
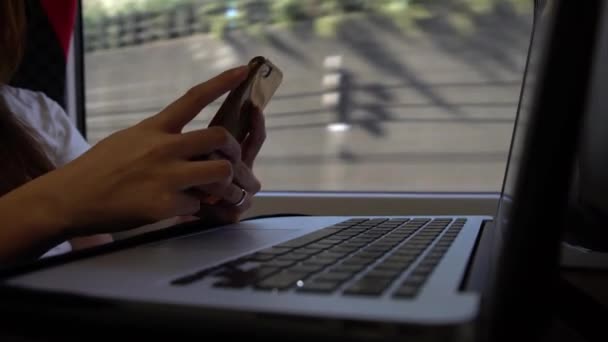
57	191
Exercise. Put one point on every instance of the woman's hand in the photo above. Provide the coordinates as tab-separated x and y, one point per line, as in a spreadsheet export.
237	196
148	172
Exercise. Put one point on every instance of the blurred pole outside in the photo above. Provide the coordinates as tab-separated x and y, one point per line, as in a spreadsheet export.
336	97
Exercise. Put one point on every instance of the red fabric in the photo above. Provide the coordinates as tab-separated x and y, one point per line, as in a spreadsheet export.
62	15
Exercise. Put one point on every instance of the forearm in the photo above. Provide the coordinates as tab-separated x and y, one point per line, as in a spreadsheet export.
30	225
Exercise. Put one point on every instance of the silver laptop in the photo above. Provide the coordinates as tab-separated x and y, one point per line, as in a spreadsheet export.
349	276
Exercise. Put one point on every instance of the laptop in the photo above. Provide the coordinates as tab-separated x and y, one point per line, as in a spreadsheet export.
354	277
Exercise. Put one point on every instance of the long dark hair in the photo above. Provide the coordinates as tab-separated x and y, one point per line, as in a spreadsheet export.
22	157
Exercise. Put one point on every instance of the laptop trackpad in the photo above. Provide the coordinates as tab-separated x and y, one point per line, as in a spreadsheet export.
159	262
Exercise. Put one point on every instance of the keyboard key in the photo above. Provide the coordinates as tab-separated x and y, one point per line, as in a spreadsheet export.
392	239
383	273
279	263
343	248
356	220
369	286
390	266
381	249
418	246
330	255
406	291
441	248
433	259
363	240
355	244
333	254
371	255
415	279
332	240
358	261
423	272
401	235
325	245
264	272
316	261
381	230
333	277
239	278
281	281
341	225
309	238
342	236
435	253
383	243
293	257
406	252
347	268
307	268
319	246
404	259
308	250
318	287
354	230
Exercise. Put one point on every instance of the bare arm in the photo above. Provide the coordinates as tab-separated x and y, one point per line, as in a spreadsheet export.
30	225
134	177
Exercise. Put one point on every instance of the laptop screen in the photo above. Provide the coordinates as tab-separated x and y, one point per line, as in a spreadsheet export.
523	112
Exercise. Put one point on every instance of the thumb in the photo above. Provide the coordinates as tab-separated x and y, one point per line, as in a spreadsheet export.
179	113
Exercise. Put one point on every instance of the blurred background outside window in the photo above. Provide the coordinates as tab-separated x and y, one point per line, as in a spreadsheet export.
378	95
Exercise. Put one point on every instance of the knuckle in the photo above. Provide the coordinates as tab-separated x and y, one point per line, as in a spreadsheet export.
159	148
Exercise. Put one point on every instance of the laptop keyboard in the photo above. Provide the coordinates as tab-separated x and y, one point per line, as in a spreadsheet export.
360	257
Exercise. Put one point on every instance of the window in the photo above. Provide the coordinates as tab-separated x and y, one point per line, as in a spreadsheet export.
378	95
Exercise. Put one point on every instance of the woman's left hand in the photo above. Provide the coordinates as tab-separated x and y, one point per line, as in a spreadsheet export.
237	196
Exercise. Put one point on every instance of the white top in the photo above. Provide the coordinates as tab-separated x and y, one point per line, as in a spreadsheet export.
60	138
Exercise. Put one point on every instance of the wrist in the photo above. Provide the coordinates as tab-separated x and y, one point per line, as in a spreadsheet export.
35	224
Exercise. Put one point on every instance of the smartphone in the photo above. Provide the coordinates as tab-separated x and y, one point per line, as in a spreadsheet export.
256	91
234	114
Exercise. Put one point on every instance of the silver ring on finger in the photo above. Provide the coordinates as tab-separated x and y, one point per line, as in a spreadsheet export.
243	198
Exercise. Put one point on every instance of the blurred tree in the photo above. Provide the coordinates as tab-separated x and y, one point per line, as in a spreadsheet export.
218	16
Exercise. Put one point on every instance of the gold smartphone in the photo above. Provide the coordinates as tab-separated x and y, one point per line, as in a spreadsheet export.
256	91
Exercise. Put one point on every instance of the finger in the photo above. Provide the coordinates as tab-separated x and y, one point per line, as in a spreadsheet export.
206	141
244	177
257	135
186	205
175	116
219	214
229	193
197	173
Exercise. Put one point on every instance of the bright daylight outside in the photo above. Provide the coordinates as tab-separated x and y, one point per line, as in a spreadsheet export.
377	95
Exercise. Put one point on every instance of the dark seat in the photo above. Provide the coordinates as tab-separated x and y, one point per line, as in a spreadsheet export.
50	25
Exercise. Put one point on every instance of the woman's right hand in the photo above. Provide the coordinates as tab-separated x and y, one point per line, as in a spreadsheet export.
145	173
